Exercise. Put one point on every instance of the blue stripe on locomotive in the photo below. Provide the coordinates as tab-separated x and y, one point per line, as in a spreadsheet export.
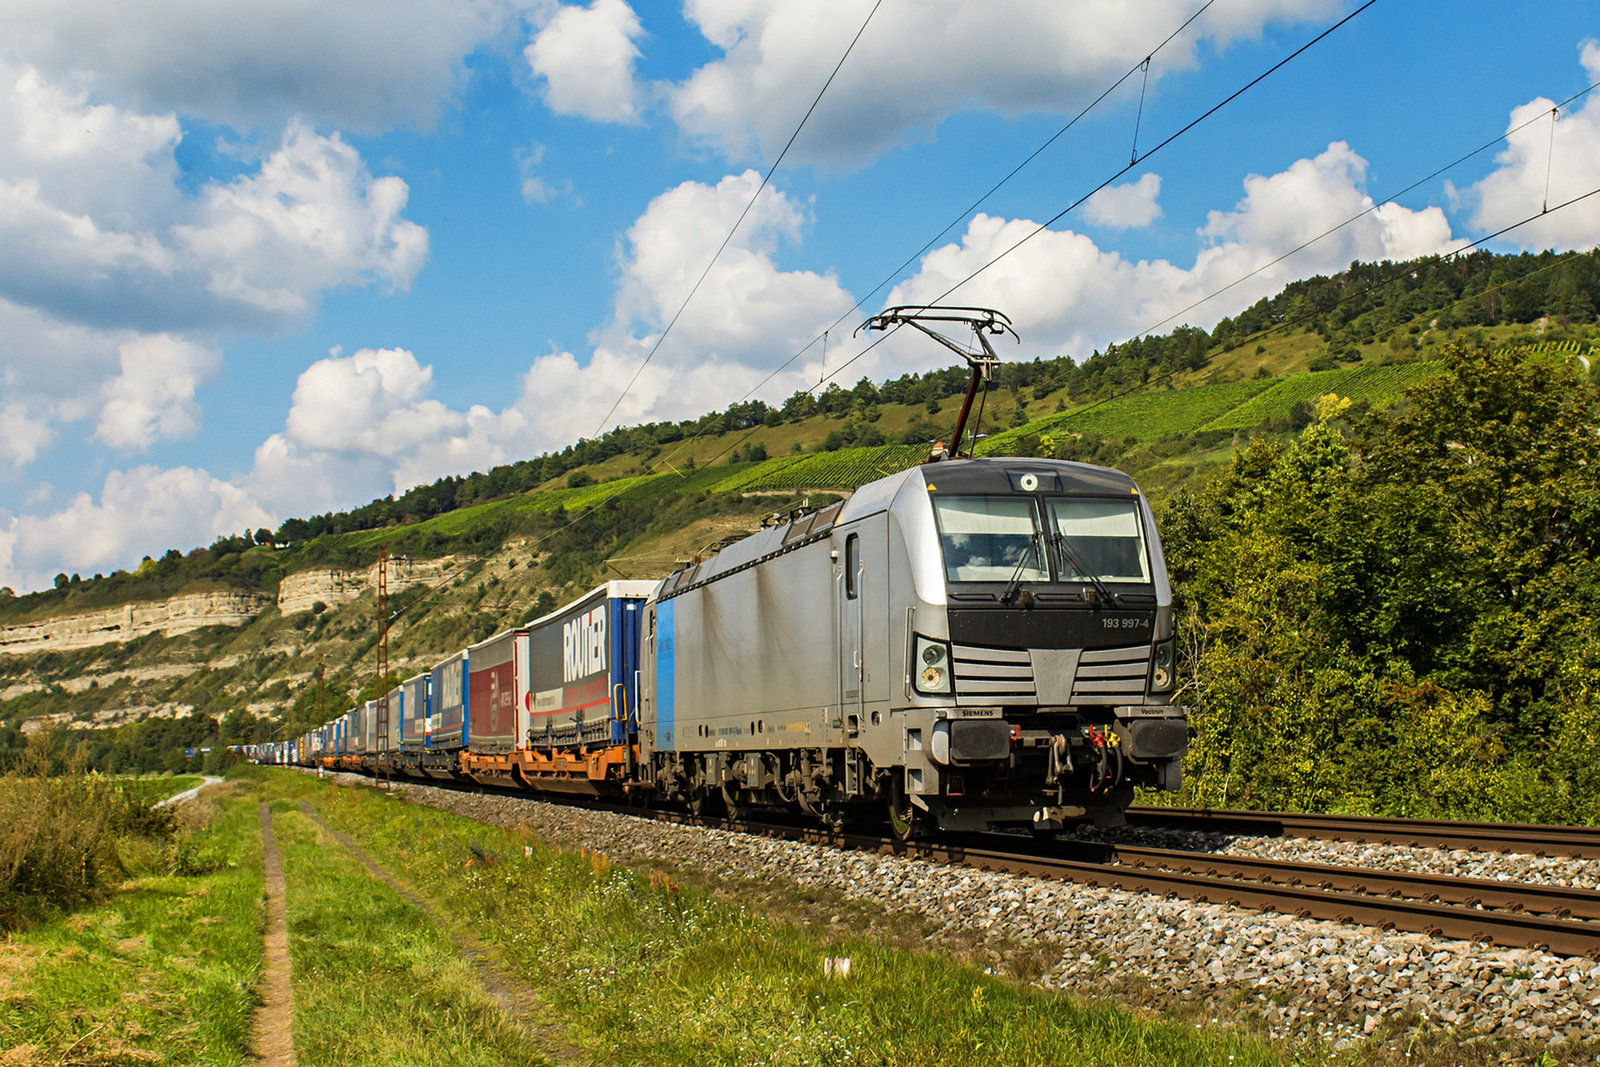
666	675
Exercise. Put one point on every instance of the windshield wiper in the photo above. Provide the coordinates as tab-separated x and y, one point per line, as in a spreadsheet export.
1016	572
1064	547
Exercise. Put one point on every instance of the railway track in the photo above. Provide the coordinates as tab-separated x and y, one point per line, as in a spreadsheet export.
1565	921
1512	914
1580	842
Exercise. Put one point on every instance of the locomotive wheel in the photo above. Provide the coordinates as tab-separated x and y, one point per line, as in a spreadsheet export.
905	820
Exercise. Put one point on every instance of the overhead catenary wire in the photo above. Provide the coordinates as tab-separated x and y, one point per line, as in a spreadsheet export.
1391	198
1252	83
968	210
739	221
1041	227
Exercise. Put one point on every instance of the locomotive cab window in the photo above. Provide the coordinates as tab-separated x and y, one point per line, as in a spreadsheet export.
1105	537
990	539
852	562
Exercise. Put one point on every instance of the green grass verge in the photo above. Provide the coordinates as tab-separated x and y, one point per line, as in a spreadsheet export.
641	971
163	971
376	981
1379	386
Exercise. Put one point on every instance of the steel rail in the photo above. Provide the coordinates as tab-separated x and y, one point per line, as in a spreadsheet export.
1579	842
1514	929
1563	902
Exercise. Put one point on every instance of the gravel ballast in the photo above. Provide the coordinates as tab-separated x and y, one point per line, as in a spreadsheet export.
1301	977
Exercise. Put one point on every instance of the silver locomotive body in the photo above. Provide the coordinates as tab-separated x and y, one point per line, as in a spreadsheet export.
974	643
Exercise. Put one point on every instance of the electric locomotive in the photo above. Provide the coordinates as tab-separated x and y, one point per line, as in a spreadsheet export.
965	645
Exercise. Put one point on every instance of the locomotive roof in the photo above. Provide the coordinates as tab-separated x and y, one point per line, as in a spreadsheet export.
994	476
955	475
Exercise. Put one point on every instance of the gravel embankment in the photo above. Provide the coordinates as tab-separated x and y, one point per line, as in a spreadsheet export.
1304	977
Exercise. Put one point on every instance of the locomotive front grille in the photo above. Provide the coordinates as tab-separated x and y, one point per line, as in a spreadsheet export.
1022	677
1111	675
992	676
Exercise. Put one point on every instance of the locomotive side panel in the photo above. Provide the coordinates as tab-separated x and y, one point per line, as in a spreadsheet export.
754	657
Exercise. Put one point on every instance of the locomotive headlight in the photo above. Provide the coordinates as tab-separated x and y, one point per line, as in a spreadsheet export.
1161	668
934	656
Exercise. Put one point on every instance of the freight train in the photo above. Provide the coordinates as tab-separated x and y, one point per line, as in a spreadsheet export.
966	645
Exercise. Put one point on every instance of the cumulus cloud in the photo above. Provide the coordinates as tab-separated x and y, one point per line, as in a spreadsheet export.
1067	294
1570	161
105	250
137	510
918	63
747	308
153	397
585	56
1127	206
99	232
360	64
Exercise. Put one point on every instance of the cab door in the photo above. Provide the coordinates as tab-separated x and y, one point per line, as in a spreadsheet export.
862	591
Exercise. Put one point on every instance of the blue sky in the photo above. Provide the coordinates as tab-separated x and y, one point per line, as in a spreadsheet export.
263	262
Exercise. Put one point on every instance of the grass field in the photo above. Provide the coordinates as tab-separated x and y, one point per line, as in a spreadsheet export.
642	971
376	981
160	972
1149	415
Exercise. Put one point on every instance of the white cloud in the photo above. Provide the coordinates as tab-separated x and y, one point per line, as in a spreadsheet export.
1570	162
1127	206
585	56
1066	294
918	63
106	253
535	189
747	308
361	64
98	232
137	511
153	397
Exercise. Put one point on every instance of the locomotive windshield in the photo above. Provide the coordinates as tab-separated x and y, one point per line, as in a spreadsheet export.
1104	537
990	538
997	539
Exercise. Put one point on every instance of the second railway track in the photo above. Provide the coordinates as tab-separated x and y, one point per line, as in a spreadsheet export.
1579	842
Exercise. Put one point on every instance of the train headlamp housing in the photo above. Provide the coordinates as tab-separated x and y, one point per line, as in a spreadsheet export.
1162	673
931	666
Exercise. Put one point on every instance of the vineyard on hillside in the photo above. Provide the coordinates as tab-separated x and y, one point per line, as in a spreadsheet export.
1146	416
1379	386
847	468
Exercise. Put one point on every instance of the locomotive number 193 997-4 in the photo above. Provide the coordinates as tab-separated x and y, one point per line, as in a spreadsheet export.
1124	623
